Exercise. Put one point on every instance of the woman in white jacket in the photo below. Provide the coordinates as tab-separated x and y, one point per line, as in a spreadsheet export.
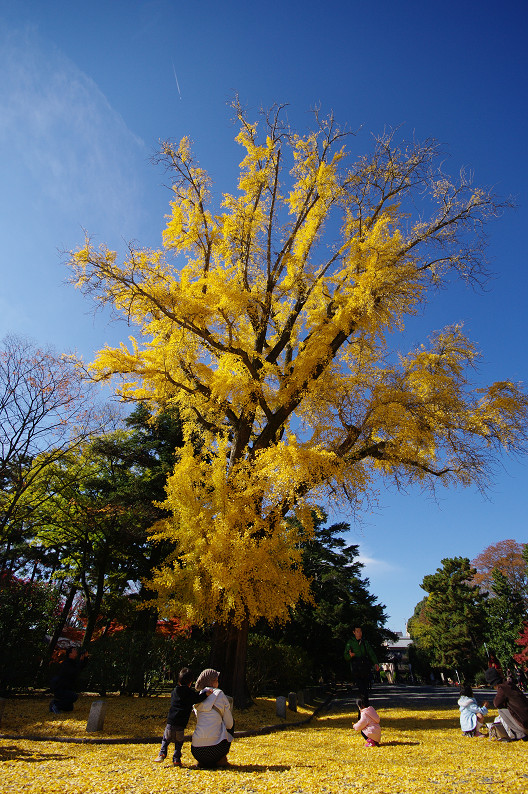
212	737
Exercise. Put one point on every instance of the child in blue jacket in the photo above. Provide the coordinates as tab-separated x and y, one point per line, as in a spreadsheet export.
471	714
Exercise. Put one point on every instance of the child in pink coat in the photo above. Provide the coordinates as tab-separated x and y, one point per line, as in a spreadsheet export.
368	724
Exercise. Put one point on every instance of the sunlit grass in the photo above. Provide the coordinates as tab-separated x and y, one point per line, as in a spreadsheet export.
126	717
422	751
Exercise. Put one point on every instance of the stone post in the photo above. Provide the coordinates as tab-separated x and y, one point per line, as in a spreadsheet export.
281	706
292	701
300	699
96	716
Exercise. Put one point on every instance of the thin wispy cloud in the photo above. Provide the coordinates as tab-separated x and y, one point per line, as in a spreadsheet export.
374	565
57	124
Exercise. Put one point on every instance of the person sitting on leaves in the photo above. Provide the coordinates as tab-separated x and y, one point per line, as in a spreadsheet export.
511	704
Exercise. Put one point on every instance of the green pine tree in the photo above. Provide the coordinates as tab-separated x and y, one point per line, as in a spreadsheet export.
341	601
455	616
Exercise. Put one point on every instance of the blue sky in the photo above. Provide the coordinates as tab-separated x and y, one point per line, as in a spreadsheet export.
88	89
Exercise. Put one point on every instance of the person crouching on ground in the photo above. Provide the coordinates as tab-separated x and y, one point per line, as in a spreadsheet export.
471	714
212	737
63	685
182	701
368	723
511	704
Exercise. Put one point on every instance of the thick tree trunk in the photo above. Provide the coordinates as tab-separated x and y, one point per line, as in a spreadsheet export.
144	628
228	655
94	608
34	572
62	620
6	553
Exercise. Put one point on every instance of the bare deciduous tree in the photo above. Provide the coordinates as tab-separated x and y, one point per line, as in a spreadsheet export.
46	408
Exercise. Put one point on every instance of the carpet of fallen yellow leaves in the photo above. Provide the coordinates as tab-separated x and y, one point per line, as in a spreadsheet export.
126	717
422	751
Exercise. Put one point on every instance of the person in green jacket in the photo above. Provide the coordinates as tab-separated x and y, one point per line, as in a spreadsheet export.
359	653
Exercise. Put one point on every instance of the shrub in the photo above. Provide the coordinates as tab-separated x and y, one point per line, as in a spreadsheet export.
141	662
275	666
480	678
27	611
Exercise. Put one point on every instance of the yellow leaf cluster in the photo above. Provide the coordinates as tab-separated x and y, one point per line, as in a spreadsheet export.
231	563
269	322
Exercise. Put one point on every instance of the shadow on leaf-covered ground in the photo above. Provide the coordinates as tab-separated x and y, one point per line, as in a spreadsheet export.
12	753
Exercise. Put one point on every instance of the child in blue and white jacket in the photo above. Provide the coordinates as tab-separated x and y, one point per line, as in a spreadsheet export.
471	714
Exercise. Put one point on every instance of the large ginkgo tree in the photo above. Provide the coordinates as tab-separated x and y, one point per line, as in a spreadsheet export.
270	319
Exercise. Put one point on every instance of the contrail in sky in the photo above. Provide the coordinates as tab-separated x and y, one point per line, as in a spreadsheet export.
176	78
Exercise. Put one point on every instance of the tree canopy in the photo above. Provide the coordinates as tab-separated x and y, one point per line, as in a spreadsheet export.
46	410
268	319
449	625
502	572
341	599
473	609
508	557
506	614
100	506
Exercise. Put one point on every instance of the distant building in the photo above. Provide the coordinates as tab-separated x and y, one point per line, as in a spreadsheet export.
397	667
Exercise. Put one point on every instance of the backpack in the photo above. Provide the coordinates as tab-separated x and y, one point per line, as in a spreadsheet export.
497	731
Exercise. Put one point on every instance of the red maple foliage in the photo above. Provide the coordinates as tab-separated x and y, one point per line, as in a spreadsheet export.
522	657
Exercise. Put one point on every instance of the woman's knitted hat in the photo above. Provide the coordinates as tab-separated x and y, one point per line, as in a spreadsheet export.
206	678
493	677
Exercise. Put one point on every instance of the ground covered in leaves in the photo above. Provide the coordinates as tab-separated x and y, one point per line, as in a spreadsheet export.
126	717
422	751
